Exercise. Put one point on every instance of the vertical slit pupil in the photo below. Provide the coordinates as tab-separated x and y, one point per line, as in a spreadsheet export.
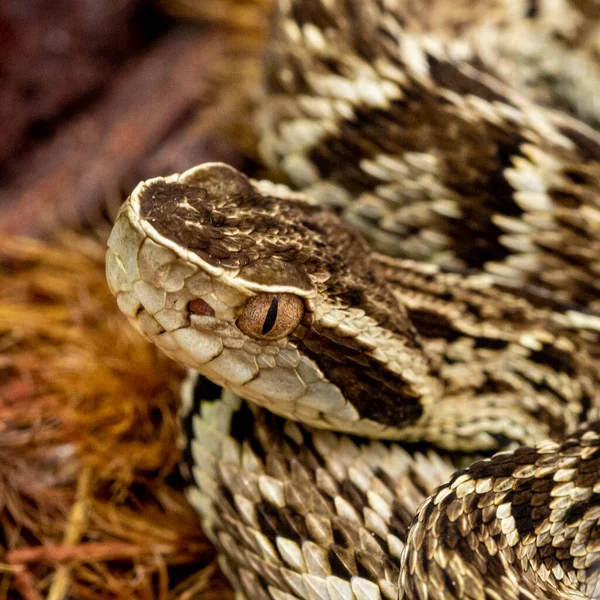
271	316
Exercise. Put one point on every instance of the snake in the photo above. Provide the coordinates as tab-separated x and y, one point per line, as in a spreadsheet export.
394	356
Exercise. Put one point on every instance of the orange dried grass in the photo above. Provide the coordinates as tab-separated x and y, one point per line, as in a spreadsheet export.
91	506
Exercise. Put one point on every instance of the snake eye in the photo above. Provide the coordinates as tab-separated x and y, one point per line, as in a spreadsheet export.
271	316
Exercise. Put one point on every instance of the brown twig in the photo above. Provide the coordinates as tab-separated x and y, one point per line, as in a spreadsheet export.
63	553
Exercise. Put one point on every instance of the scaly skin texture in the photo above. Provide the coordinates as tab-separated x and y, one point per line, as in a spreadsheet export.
432	126
397	114
303	513
387	348
384	348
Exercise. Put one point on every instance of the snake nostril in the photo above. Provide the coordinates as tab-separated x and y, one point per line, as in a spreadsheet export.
201	307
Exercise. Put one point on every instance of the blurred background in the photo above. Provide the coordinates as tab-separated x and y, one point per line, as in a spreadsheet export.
96	95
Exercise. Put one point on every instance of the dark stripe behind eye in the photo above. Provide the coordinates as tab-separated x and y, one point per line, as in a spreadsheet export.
271	316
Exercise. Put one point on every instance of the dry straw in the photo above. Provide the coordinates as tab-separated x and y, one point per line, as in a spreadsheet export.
91	501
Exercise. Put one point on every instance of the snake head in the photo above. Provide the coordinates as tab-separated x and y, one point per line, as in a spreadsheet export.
268	294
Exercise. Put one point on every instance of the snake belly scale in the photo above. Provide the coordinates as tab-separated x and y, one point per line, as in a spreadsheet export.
409	349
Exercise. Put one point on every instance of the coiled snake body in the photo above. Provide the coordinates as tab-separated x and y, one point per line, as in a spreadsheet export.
368	379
